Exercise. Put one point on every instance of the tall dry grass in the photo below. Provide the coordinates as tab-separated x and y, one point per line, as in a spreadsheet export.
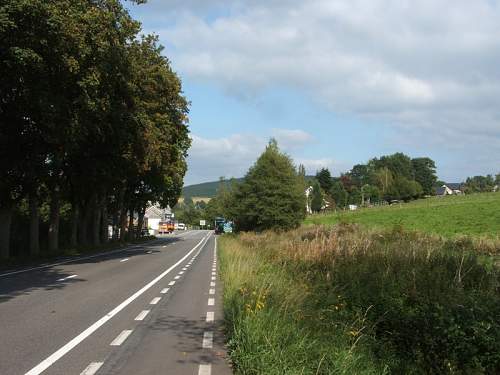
361	301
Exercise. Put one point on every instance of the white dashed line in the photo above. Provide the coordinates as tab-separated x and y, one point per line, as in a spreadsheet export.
177	277
208	340
165	291
214	273
211	301
155	301
62	351
93	368
67	278
124	260
120	339
142	315
181	273
205	370
213	278
212	283
210	316
211	291
171	283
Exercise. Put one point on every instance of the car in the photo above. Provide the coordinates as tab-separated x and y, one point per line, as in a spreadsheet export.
181	226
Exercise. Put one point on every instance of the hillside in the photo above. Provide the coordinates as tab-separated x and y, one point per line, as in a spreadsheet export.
477	215
209	189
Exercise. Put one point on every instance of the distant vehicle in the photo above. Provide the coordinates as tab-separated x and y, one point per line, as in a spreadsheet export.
223	226
181	226
166	227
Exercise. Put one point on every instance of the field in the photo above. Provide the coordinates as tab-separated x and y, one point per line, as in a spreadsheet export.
475	215
345	299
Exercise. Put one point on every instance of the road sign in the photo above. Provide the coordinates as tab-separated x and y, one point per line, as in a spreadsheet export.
203	223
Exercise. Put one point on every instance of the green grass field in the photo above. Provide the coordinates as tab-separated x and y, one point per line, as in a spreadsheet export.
474	215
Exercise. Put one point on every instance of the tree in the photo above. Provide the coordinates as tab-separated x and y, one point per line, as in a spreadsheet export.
271	195
339	194
424	170
324	179
317	198
398	163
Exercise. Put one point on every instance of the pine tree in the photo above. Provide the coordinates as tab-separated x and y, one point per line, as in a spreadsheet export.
271	195
317	198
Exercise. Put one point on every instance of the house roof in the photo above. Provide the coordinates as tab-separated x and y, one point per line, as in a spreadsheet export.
156	212
454	185
440	190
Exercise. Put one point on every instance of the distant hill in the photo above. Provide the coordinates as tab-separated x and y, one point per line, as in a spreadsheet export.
209	189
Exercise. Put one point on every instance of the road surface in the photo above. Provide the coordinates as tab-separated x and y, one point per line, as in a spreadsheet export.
146	309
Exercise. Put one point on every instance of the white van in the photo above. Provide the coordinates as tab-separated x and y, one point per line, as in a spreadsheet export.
181	226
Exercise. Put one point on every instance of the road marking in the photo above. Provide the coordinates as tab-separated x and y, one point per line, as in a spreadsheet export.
211	301
165	291
120	339
211	291
181	273
213	278
142	315
185	269
58	354
208	340
92	368
124	260
164	246
205	370
214	273
149	252
177	277
171	283
212	283
155	301
210	316
67	278
76	259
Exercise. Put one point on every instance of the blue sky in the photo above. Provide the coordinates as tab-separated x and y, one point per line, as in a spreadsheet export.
335	82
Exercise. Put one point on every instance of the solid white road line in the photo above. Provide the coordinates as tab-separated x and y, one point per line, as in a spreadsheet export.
54	357
171	283
92	368
124	260
205	370
67	278
120	339
165	291
211	291
210	316
208	340
142	315
155	301
211	301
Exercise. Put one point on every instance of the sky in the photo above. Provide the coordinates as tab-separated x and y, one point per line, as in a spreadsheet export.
336	82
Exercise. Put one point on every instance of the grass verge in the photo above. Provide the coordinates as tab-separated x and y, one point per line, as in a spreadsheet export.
341	300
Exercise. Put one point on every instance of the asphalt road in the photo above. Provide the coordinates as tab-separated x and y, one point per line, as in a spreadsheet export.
146	309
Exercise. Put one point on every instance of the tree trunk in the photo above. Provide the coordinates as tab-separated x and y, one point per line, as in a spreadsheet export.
54	220
140	222
130	234
34	228
5	223
75	218
83	224
104	221
96	222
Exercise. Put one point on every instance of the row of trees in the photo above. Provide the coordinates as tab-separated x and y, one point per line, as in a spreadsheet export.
93	123
482	184
390	177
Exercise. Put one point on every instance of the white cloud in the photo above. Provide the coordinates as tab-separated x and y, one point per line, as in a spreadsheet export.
363	57
232	156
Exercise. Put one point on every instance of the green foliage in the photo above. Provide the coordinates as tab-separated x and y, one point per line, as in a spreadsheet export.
477	214
317	198
425	174
396	301
480	184
339	194
271	195
325	179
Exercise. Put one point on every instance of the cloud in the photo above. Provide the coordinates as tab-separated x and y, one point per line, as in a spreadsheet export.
380	60
232	156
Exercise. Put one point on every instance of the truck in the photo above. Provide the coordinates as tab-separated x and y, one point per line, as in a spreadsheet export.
166	227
